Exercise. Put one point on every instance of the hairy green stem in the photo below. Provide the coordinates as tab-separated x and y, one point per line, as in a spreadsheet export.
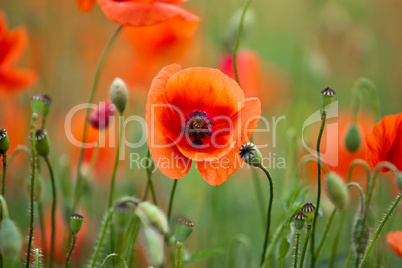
271	199
179	256
54	200
20	148
111	256
359	189
297	247
323	119
42	227
305	247
71	249
324	237
37	258
3	181
101	238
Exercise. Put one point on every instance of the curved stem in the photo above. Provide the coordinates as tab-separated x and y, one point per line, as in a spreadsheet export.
4	209
71	249
49	166
297	247
101	238
305	247
357	186
364	83
362	163
323	119
91	96
20	148
324	237
242	240
111	256
179	255
271	199
171	199
31	203
379	229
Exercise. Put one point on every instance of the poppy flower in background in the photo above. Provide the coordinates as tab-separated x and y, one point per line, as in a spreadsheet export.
201	115
150	12
100	117
385	142
394	242
12	46
86	5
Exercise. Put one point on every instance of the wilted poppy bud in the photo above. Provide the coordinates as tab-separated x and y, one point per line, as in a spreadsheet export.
119	94
251	155
76	223
42	142
37	102
122	214
327	97
336	190
10	239
152	215
308	212
299	220
100	117
184	228
4	142
352	139
46	105
359	236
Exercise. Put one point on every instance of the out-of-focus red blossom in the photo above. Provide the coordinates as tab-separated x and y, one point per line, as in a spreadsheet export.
256	77
385	142
100	118
150	12
394	242
12	46
86	5
329	149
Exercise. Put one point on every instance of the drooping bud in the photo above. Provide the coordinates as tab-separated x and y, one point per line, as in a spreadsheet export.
10	239
327	97
360	237
299	220
122	214
308	212
184	228
336	190
100	117
42	142
154	246
37	102
119	94
46	105
251	155
352	139
399	180
76	223
4	142
153	216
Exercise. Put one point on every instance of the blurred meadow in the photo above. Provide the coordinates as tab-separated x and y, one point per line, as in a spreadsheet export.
289	52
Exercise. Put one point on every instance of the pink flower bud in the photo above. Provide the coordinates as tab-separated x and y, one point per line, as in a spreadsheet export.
100	117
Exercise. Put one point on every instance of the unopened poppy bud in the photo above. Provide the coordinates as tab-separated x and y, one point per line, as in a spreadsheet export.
360	237
399	180
46	105
152	215
336	190
122	214
119	94
352	139
4	142
37	102
42	142
184	228
308	212
76	223
251	155
299	220
10	239
100	117
327	97
154	246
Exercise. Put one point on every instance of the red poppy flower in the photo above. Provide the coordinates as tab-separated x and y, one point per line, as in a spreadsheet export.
86	5
394	242
198	114
150	12
100	117
385	142
12	46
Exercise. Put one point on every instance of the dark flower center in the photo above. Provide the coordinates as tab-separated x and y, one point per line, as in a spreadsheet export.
198	126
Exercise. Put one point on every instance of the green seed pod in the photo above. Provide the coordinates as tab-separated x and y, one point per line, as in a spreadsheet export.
122	214
4	142
399	180
154	246
336	190
153	216
352	139
46	105
299	220
10	239
42	142
251	155
119	94
308	212
76	223
356	236
184	228
37	102
327	97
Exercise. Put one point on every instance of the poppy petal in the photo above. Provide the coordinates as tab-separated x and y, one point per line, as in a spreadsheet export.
14	79
394	242
12	46
86	5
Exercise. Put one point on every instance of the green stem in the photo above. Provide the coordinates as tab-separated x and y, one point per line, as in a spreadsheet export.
37	258
305	247
359	189
349	258
71	249
101	238
130	238
277	235
20	148
111	256
259	194
31	203
297	247
91	96
49	166
364	83
271	199
42	227
179	255
241	240
324	237
171	199
3	181
323	119
379	229
4	207
150	165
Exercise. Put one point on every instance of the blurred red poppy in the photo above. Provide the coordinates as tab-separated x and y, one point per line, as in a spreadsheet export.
12	46
394	242
198	114
86	5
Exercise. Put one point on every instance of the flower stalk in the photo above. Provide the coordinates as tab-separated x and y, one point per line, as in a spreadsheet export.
54	201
